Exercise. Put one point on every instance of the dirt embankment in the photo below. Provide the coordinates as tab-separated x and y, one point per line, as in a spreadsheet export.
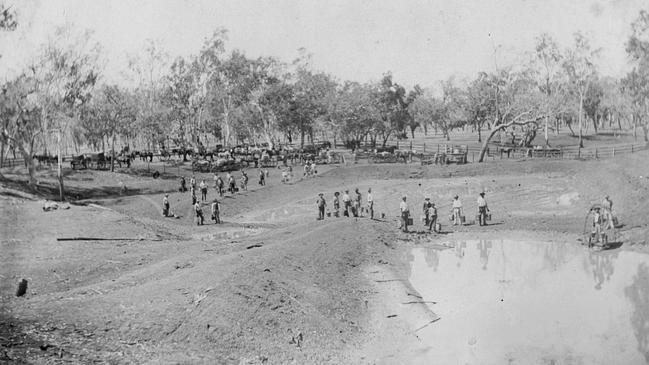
272	284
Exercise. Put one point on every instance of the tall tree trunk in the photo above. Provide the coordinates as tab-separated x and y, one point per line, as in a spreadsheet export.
581	112
60	169
112	153
478	126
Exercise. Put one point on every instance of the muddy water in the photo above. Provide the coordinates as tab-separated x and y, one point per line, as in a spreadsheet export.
513	302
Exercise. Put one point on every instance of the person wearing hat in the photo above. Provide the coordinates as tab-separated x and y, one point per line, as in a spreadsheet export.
336	204
200	219
608	218
457	211
357	203
432	218
405	214
370	203
482	209
425	210
347	204
216	214
321	203
597	224
165	206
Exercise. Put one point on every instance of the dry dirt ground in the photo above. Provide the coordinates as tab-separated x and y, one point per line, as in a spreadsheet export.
271	284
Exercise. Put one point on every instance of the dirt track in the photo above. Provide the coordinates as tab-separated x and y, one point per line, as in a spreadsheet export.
271	284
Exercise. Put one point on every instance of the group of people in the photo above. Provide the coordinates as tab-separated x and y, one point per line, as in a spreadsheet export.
310	168
429	213
603	220
351	204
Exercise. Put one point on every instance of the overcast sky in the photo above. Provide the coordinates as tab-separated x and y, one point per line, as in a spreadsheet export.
418	41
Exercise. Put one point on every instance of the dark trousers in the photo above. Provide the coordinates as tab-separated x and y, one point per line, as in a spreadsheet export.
482	215
321	212
204	194
432	220
404	221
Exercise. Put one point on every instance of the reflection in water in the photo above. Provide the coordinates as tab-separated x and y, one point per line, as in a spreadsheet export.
485	248
602	264
638	294
431	257
533	302
459	251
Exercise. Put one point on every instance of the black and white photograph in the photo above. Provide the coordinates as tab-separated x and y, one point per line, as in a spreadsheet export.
301	182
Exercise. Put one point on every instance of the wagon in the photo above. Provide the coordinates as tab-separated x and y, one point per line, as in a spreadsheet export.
201	165
95	161
78	162
223	165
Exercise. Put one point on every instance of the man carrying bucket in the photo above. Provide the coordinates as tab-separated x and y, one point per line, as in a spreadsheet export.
482	210
457	211
405	214
321	203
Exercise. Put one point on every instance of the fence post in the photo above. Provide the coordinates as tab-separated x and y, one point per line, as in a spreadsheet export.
472	156
579	152
397	144
595	153
613	151
438	148
424	147
631	148
411	145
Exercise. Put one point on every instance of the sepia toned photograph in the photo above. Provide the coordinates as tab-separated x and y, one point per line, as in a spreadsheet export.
301	182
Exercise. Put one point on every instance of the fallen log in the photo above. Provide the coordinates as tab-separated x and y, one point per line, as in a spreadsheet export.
426	325
420	302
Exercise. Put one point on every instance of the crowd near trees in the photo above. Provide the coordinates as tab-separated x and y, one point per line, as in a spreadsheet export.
224	97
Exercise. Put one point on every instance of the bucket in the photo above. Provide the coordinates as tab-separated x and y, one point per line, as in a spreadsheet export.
488	216
410	222
438	227
328	214
462	219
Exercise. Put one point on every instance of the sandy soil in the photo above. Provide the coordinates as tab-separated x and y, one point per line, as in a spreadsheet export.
271	284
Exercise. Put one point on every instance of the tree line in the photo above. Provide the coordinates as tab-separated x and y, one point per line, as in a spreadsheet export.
229	98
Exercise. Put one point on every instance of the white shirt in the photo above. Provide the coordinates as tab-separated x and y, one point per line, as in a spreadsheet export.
457	203
403	206
481	202
369	198
345	197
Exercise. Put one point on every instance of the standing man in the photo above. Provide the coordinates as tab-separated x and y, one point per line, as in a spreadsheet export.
244	181
203	187
425	210
183	184
357	203
607	203
482	210
457	211
216	214
165	206
336	204
192	182
347	204
321	206
262	177
405	214
432	218
370	203
232	184
220	185
200	220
